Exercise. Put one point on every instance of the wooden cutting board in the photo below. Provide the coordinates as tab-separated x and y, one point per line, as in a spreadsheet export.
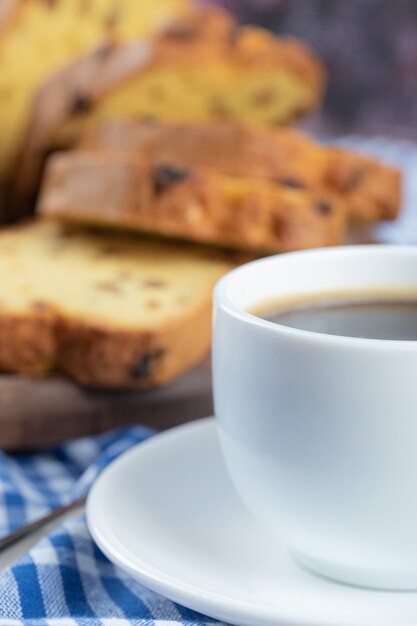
36	413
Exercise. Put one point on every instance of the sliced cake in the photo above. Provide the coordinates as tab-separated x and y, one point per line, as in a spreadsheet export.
200	67
194	203
107	310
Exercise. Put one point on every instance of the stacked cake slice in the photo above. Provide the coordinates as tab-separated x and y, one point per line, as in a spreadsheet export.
107	310
220	184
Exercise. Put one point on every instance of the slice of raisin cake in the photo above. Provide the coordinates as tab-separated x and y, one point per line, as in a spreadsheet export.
107	310
194	203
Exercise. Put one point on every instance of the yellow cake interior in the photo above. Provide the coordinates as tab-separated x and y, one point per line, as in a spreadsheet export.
40	37
118	281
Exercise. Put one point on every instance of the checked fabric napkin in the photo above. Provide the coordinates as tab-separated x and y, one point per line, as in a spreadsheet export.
65	580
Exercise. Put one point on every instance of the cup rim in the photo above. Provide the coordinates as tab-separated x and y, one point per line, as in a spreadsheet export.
221	299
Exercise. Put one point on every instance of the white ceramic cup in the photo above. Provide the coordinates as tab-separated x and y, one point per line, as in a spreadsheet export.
319	432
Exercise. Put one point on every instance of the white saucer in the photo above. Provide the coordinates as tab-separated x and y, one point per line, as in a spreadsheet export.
167	514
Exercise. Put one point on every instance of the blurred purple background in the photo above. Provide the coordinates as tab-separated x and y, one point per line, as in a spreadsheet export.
369	48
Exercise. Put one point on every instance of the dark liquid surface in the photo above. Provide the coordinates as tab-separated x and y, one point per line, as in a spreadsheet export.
378	318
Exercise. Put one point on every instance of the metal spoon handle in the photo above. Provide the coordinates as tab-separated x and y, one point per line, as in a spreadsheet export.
19	534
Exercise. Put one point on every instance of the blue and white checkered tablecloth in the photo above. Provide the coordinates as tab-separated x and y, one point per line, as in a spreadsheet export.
65	580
